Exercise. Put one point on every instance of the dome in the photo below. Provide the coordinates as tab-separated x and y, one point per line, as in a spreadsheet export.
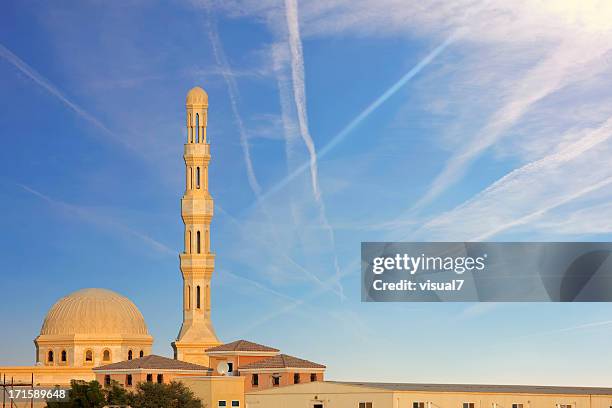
94	312
197	96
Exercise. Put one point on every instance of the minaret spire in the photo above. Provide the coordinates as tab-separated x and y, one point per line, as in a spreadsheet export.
197	262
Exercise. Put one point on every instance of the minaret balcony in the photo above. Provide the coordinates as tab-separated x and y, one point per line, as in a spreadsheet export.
196	150
193	206
193	263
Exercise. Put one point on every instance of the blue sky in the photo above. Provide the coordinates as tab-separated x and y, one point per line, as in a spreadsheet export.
501	131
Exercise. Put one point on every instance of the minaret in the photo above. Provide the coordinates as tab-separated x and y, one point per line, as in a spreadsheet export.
197	262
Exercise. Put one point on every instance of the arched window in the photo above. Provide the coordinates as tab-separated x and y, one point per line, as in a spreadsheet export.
189	298
189	131
197	139
141	353
189	244
197	177
89	356
130	354
198	296
198	247
106	355
50	356
63	356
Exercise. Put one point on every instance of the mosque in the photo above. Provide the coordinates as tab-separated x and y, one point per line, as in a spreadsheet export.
99	334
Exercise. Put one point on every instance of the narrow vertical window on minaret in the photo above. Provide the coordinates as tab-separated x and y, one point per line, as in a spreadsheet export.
198	247
197	138
197	177
198	297
191	178
189	297
189	243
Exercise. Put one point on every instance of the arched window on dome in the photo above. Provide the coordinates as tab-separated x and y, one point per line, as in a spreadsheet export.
198	245
130	354
106	355
89	356
198	296
141	353
197	138
50	356
63	356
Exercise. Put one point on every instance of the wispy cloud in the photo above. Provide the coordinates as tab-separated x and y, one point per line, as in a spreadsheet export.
547	77
102	221
54	91
234	97
532	190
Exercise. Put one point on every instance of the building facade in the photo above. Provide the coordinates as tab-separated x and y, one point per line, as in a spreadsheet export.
391	395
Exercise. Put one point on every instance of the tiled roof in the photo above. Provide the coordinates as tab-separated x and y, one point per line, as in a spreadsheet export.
503	389
152	362
280	361
243	345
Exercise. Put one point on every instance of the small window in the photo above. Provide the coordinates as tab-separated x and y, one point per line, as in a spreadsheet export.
130	354
296	378
141	353
230	366
255	381
365	405
313	377
197	177
50	356
235	403
63	356
197	139
149	377
106	355
468	405
223	403
418	405
517	405
89	356
160	378
198	294
198	246
128	380
275	380
107	380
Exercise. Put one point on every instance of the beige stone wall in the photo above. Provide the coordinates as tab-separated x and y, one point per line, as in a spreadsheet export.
213	389
333	395
46	375
456	400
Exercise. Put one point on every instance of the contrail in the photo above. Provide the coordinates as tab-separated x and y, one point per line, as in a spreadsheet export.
299	95
103	221
299	89
232	88
53	90
364	114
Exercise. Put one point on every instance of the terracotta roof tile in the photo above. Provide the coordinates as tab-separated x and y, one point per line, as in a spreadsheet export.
152	362
242	345
280	361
